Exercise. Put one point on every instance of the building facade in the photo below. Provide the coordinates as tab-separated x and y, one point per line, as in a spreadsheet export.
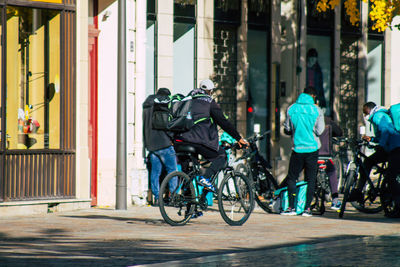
59	83
256	53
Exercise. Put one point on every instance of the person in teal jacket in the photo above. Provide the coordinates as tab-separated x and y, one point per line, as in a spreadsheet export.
389	141
304	122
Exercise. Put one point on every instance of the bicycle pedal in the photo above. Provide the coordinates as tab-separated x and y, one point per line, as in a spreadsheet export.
197	215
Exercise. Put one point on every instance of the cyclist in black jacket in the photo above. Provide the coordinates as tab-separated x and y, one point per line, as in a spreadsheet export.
203	136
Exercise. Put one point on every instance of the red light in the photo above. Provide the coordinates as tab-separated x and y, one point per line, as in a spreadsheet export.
276	110
250	109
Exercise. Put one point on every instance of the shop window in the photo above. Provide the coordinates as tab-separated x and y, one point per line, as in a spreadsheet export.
33	78
318	69
227	11
319	21
258	13
184	46
258	102
183	58
374	82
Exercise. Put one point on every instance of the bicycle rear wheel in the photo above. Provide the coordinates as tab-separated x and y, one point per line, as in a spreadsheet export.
235	199
177	202
318	203
349	185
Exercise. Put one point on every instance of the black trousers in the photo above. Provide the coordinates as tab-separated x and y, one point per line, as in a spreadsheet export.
298	162
217	158
379	156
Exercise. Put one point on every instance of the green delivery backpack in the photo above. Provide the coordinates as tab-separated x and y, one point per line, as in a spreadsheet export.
394	112
300	201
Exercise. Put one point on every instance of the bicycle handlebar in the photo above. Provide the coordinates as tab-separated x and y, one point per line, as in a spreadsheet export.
256	138
225	145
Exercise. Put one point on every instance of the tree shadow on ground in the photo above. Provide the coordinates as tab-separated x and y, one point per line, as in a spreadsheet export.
57	248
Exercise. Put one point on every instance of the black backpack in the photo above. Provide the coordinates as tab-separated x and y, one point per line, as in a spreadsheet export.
174	113
161	113
181	117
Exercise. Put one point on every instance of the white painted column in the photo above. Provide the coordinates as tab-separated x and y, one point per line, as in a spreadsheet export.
165	39
362	62
137	174
82	104
336	63
242	71
392	56
205	39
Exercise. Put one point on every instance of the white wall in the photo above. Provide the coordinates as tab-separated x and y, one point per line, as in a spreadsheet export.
107	101
82	107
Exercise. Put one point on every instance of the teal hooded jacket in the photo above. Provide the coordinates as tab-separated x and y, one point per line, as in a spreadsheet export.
385	133
305	121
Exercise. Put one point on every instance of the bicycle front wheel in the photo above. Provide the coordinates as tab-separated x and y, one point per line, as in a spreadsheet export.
177	198
390	206
371	201
235	199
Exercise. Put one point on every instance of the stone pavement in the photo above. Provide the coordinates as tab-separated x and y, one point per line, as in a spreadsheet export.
138	236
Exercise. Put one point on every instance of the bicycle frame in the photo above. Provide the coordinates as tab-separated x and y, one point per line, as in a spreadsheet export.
360	167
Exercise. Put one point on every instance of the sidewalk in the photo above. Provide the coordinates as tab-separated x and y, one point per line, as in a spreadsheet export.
107	237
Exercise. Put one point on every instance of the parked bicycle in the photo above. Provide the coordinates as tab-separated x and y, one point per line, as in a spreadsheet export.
372	194
234	193
257	169
340	159
322	187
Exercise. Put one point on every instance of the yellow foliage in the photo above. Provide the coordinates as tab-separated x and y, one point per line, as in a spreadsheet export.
381	12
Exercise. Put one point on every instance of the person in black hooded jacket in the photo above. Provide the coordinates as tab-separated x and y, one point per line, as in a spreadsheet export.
159	144
203	136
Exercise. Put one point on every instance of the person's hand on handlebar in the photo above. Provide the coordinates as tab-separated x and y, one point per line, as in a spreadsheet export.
367	138
242	142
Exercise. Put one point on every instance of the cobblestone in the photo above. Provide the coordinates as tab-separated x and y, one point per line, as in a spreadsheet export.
138	236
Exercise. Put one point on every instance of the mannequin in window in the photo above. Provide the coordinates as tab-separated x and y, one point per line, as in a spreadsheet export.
314	76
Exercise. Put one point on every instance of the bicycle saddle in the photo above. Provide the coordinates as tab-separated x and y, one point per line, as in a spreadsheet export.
185	148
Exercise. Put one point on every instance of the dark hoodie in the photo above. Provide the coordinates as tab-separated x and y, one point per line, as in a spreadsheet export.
153	139
205	132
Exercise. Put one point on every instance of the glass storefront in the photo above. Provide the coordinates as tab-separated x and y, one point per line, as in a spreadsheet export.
33	78
38	101
183	58
257	115
374	72
318	69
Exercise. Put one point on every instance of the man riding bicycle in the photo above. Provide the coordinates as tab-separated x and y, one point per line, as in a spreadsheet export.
203	136
389	150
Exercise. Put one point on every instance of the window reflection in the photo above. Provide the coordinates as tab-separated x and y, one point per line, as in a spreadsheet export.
33	78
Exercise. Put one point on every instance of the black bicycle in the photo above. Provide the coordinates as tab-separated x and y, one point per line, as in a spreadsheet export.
234	193
322	187
372	193
257	168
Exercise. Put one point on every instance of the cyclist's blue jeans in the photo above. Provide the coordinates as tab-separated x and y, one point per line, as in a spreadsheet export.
168	158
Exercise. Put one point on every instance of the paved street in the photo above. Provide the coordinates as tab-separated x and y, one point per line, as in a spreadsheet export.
106	237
